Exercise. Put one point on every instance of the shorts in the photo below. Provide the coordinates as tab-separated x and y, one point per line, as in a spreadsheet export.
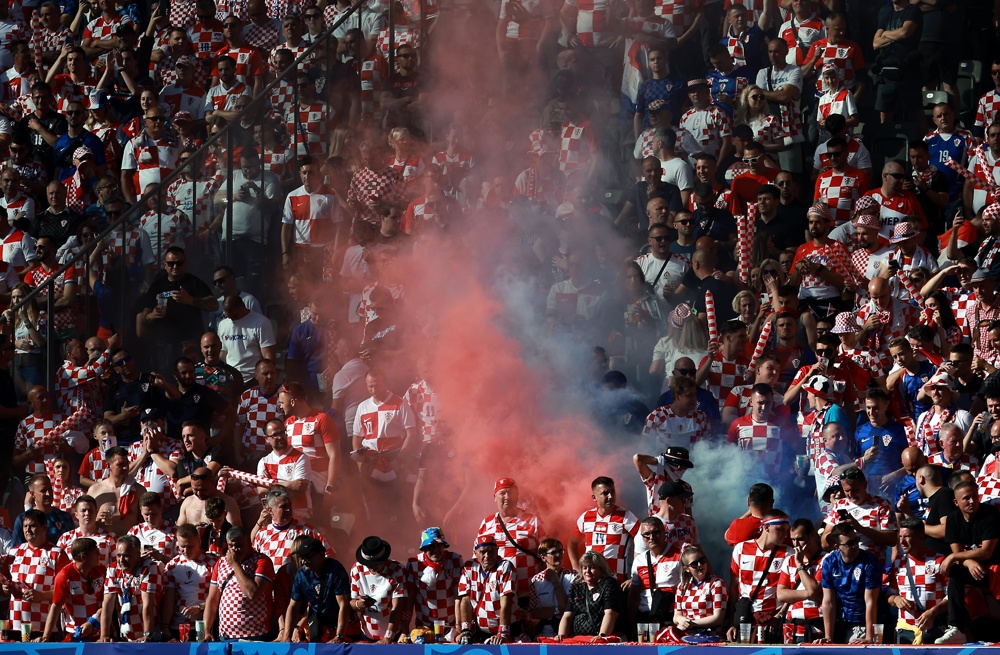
938	63
899	96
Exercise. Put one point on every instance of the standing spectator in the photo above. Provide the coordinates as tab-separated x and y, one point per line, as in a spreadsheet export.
77	594
85	513
757	564
516	532
34	565
322	588
781	84
43	125
313	433
186	582
608	529
277	528
378	591
288	467
989	104
709	125
131	592
871	517
157	535
841	52
216	374
149	157
896	42
851	583
247	337
657	569
311	220
239	598
922	608
258	406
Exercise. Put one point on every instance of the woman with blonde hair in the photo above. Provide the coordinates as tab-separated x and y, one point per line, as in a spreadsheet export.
595	602
26	330
701	600
753	111
687	336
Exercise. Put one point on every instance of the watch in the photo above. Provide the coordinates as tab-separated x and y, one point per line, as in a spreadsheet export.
328	489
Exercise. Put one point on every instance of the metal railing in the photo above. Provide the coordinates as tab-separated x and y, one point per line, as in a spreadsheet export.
256	112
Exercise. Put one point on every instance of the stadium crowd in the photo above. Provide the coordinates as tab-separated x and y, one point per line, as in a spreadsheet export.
240	396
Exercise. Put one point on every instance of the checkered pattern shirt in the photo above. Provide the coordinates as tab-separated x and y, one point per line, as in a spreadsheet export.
423	400
988	481
163	539
151	476
265	37
183	13
875	513
30	430
679	12
365	310
150	161
724	374
36	569
193	200
434	587
697	600
668	429
125	244
369	187
190	581
485	589
840	191
207	38
105	543
831	254
289	467
846	56
987	108
977	316
373	70
147	578
652	484
527	530
576	146
383	588
762	439
65	319
238	8
45	40
749	564
802	610
876	362
315	121
248	63
966	462
405	35
254	411
282	97
310	434
276	542
80	598
611	536
929	424
708	127
239	615
930	583
102	28
453	165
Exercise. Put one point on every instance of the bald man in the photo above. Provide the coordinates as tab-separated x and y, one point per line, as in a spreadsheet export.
884	317
940	502
909	502
705	276
895	203
247	337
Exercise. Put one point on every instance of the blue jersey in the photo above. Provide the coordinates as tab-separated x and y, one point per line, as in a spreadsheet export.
959	147
849	582
731	84
910	386
670	90
907	486
890	439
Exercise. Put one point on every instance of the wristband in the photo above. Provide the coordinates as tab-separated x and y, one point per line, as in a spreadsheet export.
94	622
503	630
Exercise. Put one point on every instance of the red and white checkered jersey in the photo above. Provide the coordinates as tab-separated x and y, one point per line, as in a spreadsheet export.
183	13
289	467
152	160
190	581
265	37
310	434
29	431
312	124
163	539
190	99
254	411
102	28
865	265
930	582
724	374
313	215
680	12
739	397
405	35
151	476
221	98
14	84
372	70
594	19
18	249
105	540
423	400
875	513
276	542
666	577
895	209
576	146
610	536
974	321
708	127
657	477
485	589
988	481
365	310
668	429
800	37
382	588
846	56
382	427
434	587
697	600
46	40
79	597
966	462
282	97
238	8
35	569
749	565
987	108
278	161
801	610
875	361
65	319
207	38
194	198
132	245
239	615
369	187
457	165
64	498
166	229
249	64
762	439
79	385
840	191
833	255
768	129
146	578
527	530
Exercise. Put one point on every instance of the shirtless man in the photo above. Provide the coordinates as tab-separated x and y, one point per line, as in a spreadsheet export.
203	487
117	495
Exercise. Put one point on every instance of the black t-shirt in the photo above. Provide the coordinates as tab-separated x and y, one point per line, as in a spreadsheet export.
723	292
941	504
971	534
182	322
897	53
199	403
588	605
640	197
133	393
54	122
785	230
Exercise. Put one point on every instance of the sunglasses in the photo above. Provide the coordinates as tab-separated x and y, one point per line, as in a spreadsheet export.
757	96
660	239
835	153
896	176
124	360
685	371
174	262
312	16
751	160
156	119
769	271
74	112
684	222
200	476
697	564
651	534
220	281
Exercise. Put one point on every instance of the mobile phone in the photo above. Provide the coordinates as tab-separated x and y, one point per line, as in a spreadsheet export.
825	361
842	513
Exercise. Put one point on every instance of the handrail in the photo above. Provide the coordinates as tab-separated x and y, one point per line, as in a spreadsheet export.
139	207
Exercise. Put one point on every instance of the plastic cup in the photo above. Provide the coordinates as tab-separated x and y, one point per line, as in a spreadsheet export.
439	628
25	632
642	634
161	300
802	463
199	629
746	629
879	636
654	629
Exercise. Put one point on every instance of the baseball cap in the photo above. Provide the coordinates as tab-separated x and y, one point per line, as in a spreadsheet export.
150	414
309	546
484	540
672	489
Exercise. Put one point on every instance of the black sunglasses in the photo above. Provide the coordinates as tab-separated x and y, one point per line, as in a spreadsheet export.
176	262
685	371
660	239
124	360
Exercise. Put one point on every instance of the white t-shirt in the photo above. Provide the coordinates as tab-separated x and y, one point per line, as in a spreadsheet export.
243	339
679	173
